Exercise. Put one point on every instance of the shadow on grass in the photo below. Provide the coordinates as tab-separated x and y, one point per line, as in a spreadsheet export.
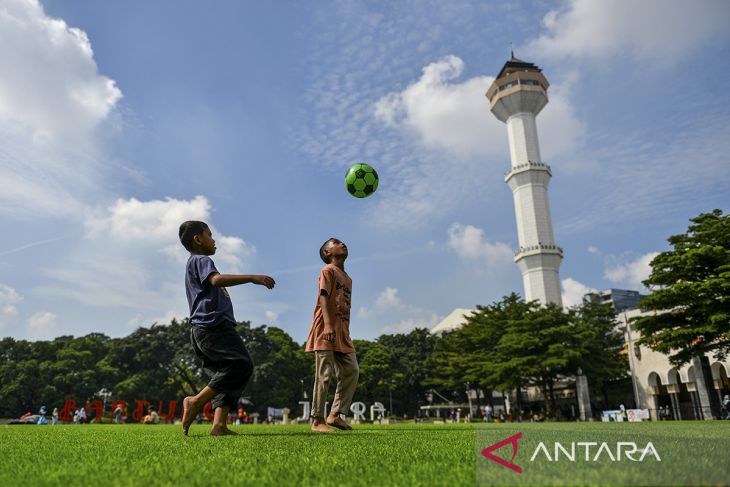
354	433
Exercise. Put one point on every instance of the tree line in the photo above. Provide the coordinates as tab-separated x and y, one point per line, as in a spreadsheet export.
506	345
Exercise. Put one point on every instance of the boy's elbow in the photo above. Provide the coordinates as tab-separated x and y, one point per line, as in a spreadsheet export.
215	280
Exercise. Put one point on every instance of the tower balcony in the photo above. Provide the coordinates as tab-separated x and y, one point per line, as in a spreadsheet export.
514	82
529	166
518	92
539	249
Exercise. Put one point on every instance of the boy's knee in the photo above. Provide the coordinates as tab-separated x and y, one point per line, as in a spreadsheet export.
325	375
353	372
246	367
242	371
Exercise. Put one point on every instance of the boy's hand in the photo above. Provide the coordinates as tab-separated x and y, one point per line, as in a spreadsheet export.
264	281
329	333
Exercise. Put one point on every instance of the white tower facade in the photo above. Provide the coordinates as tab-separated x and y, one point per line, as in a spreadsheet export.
516	97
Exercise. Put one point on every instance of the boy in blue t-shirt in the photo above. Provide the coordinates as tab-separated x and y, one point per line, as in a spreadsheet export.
213	333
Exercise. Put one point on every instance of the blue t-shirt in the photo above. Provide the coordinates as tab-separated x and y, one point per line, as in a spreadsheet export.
209	305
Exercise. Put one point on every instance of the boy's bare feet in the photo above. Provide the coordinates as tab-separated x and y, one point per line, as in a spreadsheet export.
190	410
221	431
339	423
320	426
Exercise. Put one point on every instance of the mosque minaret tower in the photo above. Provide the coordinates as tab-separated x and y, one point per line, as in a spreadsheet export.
516	97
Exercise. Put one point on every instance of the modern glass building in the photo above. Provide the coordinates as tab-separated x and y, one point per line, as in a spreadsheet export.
620	299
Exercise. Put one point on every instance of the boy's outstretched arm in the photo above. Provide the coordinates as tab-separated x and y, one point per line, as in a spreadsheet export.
227	280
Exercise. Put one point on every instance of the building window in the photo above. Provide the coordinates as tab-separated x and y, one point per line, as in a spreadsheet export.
508	85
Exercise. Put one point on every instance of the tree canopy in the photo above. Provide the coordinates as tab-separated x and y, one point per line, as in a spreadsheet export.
690	293
503	346
511	344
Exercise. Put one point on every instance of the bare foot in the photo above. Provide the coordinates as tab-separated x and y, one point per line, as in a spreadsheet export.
339	423
221	431
321	427
190	410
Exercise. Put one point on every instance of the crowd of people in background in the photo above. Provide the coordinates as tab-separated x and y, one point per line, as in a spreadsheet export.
87	414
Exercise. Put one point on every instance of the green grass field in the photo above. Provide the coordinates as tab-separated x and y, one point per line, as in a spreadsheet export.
399	455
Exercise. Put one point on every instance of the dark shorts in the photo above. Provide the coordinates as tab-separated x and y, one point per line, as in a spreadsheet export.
225	360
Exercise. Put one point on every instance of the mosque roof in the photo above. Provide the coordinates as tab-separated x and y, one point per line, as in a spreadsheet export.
453	321
515	64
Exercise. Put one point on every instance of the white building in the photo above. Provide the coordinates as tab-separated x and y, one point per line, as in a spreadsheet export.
658	383
453	321
517	95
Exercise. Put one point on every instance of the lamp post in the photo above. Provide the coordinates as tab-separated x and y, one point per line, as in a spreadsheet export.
390	395
630	348
468	396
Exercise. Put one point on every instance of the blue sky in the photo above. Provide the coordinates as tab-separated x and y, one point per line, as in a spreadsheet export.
119	121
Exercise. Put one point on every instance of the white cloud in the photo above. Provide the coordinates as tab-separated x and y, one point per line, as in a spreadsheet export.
156	219
42	325
654	31
105	281
388	298
455	116
9	297
469	243
157	222
631	273
592	249
50	81
573	292
271	316
390	307
167	317
131	260
452	116
52	100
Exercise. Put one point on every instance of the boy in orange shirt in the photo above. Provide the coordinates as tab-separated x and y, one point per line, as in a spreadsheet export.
329	339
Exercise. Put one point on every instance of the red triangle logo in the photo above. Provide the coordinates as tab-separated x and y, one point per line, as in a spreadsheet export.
512	440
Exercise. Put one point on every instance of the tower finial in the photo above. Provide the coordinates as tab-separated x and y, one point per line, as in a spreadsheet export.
512	50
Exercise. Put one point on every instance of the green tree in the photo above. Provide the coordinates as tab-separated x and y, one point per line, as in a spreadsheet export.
506	341
145	362
690	287
377	373
600	340
469	353
39	373
511	344
280	365
410	358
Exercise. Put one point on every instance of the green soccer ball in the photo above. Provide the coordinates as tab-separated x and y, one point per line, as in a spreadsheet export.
361	180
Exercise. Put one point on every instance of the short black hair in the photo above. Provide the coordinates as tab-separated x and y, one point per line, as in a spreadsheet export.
190	229
321	250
